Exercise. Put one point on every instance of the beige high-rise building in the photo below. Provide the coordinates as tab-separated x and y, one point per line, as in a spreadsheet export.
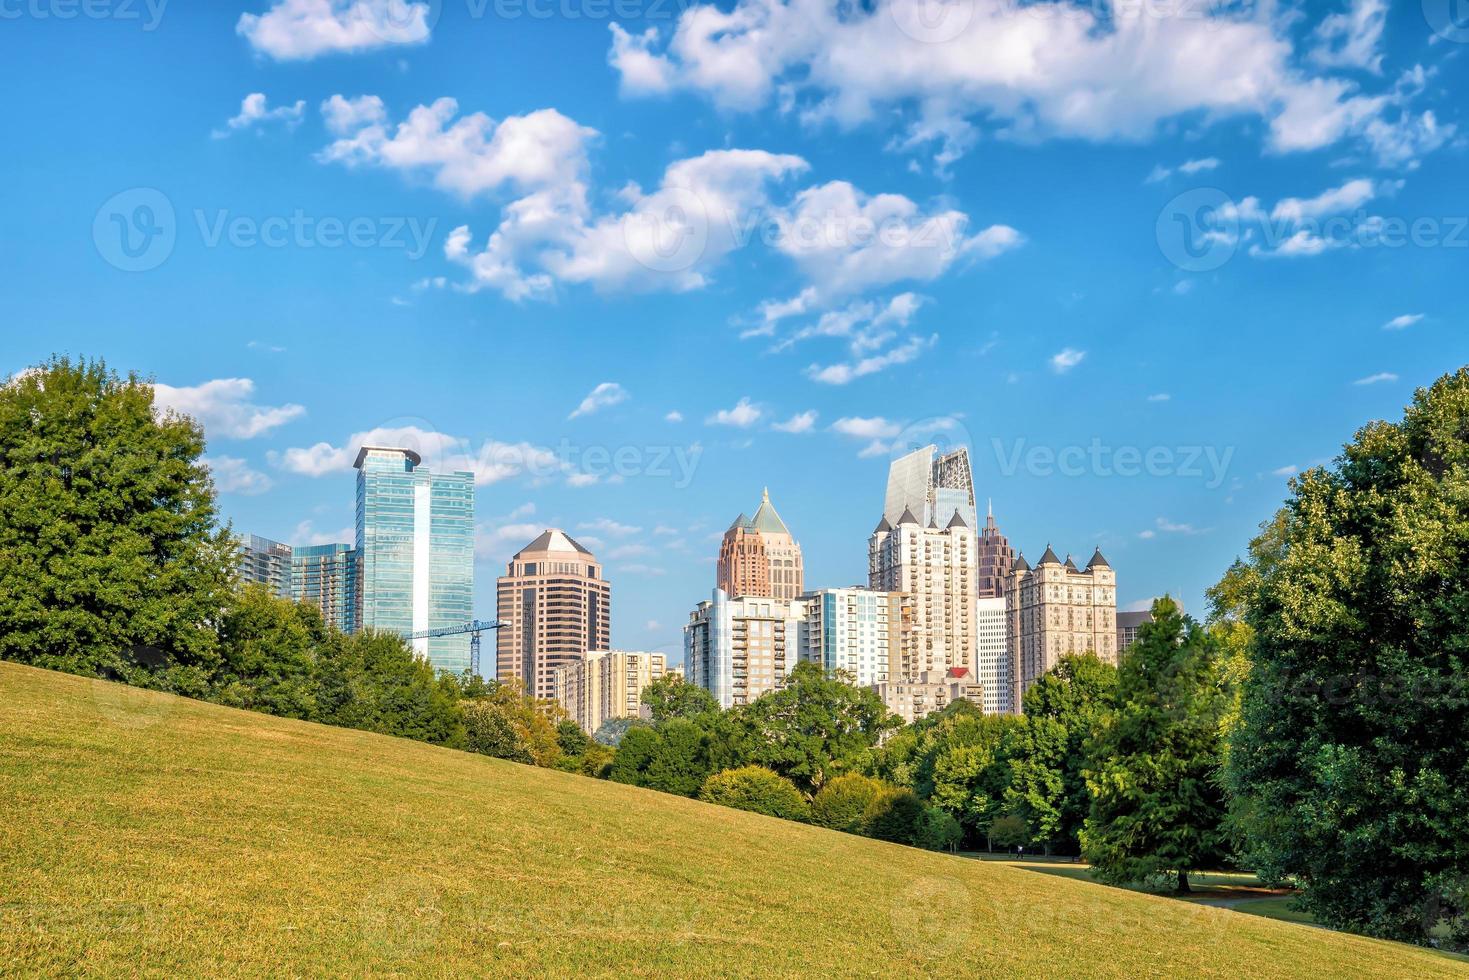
1055	609
737	648
758	556
937	567
915	698
557	606
607	684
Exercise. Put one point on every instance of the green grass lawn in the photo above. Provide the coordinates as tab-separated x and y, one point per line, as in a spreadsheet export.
142	834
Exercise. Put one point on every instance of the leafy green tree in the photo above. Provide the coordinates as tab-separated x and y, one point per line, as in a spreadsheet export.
1035	752
1010	831
373	681
937	830
971	772
672	697
758	790
1349	770
534	723
1077	694
1157	805
815	727
842	802
489	731
570	739
268	648
680	763
610	732
893	815
635	752
111	560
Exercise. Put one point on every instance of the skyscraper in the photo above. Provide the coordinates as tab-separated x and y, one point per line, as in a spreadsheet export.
932	486
737	648
758	556
557	607
936	566
415	539
857	631
992	657
1056	609
607	684
996	558
325	575
266	562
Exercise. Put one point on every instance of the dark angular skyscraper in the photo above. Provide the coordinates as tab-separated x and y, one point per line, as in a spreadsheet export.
996	559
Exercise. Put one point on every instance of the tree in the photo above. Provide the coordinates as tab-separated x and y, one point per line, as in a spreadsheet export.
814	727
510	724
1077	694
1349	770
268	648
893	815
971	772
111	560
571	739
374	681
672	697
937	830
680	763
634	753
843	801
1035	753
758	790
1157	805
1010	831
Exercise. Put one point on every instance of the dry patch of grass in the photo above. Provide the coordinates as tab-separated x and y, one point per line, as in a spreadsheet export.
147	835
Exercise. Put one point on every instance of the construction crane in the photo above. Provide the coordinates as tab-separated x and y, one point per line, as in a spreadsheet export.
474	628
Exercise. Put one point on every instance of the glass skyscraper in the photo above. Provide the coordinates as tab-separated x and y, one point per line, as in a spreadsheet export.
325	575
415	546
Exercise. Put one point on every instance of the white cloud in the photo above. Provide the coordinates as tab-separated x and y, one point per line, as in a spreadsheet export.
1161	396
492	462
637	568
307	534
1173	527
1147	534
1285	471
1403	321
1049	69
293	30
742	416
844	373
801	422
1066	359
234	475
1379	378
224	409
1350	38
1161	173
673	416
605	395
343	116
500	541
1352	194
254	112
625	551
608	526
875	427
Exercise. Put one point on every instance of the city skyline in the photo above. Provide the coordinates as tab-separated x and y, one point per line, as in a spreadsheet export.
1056	330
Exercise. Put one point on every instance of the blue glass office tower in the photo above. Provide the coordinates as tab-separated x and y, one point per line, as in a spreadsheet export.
325	575
415	546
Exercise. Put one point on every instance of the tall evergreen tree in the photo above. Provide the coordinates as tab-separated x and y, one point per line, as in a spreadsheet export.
1349	769
111	562
1157	803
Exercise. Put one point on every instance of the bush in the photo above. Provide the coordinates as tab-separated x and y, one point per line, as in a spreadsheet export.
758	790
893	815
937	830
842	802
1009	831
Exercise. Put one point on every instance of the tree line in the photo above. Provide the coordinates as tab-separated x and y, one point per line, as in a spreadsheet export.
1314	729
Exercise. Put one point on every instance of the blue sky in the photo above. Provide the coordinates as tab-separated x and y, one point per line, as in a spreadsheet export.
715	248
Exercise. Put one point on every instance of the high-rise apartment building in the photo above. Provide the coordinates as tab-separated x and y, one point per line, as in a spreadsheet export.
737	648
606	684
913	699
266	562
932	486
557	606
415	541
758	556
857	631
325	575
992	655
936	566
1055	609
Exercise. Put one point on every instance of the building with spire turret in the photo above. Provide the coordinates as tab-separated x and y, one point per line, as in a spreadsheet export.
1055	609
996	558
935	566
758	557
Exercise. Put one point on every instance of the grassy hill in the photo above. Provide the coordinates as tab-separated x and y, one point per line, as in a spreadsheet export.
141	833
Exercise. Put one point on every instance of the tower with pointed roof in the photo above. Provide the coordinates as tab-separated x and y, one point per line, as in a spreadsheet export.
934	564
1055	609
996	558
759	557
557	607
